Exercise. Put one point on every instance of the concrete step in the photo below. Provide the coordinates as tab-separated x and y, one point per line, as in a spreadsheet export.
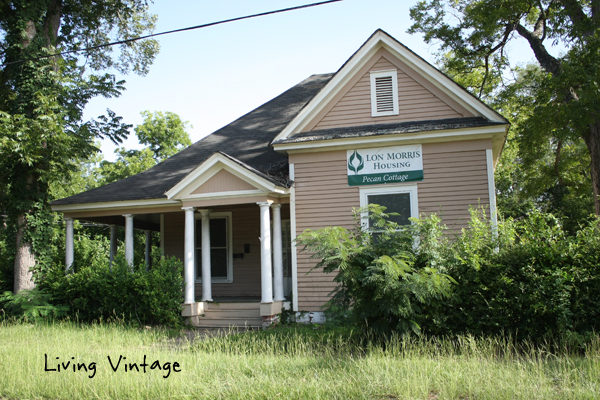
227	313
232	306
225	322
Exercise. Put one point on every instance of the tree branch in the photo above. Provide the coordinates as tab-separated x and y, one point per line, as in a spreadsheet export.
557	160
577	15
546	60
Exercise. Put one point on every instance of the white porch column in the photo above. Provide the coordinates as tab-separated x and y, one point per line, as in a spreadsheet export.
188	257
148	247
68	243
265	253
206	277
277	253
129	239
113	243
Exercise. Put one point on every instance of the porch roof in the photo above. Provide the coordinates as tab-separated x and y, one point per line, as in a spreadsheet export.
246	141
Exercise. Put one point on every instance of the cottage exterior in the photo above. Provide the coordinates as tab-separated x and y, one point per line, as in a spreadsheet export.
386	128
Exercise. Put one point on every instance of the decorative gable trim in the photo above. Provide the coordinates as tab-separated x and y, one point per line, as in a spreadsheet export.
213	165
381	40
384	93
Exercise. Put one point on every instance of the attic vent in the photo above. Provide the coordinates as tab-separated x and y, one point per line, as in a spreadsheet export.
384	93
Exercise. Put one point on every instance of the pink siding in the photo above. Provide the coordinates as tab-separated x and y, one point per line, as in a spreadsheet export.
455	176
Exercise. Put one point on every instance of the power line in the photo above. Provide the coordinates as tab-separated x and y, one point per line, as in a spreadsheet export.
174	31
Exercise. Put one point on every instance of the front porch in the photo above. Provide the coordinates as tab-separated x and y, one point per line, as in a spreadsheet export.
243	281
228	223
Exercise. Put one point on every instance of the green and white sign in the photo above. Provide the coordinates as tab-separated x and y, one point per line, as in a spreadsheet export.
385	165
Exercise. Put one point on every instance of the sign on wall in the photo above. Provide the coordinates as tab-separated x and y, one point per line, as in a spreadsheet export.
385	165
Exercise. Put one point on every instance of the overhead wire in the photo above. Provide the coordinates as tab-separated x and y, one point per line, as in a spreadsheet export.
172	31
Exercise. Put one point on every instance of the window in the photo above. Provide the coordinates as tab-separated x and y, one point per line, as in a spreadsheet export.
401	199
221	257
384	93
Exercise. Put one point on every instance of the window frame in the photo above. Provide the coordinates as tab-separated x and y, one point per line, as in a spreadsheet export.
393	73
365	192
229	237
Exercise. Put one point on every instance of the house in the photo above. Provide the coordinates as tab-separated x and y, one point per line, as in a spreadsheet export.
386	128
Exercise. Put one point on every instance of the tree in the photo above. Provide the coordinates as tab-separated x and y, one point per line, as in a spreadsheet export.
566	106
164	134
42	99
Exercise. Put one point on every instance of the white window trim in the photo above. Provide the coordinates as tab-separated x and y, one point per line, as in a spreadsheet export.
227	216
393	73
389	189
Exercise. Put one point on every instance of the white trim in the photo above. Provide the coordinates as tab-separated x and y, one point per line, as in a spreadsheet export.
382	40
293	237
365	192
228	217
209	168
115	205
221	195
392	73
401	138
492	190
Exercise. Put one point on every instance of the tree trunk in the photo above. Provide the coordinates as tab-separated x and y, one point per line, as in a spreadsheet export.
24	259
592	142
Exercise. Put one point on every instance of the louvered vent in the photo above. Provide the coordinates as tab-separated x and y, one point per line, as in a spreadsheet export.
384	93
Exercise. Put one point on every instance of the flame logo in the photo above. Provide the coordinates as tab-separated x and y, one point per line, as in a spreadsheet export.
355	157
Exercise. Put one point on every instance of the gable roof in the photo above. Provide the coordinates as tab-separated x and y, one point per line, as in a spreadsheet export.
378	40
246	142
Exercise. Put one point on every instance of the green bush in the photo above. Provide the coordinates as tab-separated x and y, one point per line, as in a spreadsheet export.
532	280
378	287
529	278
30	305
99	292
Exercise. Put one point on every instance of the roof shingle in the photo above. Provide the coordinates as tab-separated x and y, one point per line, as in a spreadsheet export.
246	139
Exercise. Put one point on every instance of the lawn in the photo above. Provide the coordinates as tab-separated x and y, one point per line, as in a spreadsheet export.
297	363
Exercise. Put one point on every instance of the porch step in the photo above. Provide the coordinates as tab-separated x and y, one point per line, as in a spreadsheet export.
223	322
224	315
232	306
232	313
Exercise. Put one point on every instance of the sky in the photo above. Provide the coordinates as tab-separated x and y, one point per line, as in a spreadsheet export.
212	76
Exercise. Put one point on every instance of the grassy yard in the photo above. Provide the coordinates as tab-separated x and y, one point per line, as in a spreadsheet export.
284	363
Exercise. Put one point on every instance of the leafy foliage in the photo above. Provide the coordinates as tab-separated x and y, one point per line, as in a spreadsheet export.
552	104
31	305
42	99
163	133
375	273
532	280
98	291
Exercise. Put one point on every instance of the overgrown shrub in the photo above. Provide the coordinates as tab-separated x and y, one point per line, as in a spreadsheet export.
99	292
529	278
532	280
378	287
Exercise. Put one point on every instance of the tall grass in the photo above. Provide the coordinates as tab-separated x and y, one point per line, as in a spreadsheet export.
299	363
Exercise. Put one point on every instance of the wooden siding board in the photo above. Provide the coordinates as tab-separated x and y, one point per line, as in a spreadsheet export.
223	181
354	108
455	177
